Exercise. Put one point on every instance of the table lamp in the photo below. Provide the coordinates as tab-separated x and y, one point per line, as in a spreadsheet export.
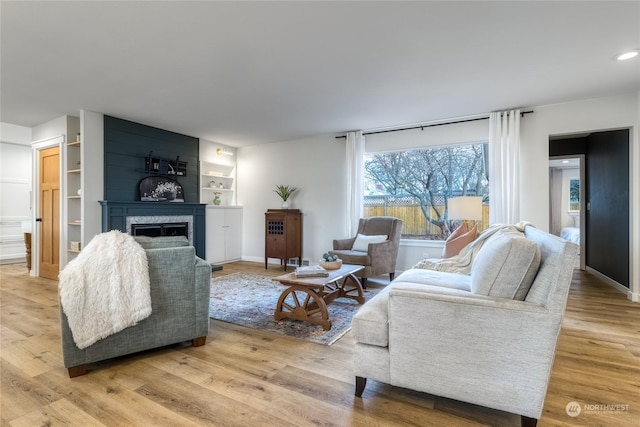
465	208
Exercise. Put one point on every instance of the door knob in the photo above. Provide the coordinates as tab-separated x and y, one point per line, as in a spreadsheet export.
38	219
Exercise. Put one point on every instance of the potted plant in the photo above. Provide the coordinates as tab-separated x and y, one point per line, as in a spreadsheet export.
284	191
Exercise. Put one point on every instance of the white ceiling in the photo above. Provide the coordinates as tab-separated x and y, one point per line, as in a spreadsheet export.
243	73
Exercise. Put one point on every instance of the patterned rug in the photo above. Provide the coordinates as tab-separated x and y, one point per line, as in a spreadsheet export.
250	300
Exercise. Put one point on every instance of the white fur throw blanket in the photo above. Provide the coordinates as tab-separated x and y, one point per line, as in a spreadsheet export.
462	262
105	289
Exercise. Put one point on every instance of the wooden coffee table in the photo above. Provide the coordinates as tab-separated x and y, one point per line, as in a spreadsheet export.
307	298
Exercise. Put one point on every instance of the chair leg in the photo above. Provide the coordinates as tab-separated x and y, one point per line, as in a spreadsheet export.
528	422
361	382
76	371
197	342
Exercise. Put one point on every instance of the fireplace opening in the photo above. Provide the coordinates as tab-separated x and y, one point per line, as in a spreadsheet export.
164	229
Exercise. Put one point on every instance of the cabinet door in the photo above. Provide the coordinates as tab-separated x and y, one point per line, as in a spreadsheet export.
215	241
275	243
233	234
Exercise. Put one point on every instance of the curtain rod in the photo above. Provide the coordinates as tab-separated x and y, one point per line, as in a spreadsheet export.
522	113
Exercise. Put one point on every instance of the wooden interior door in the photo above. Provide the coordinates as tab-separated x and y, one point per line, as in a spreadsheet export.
49	215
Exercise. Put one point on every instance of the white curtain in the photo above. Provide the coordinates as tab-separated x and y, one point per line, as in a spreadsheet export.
355	181
555	200
504	156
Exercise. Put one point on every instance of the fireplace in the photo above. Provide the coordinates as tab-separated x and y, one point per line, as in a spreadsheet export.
164	229
151	216
161	225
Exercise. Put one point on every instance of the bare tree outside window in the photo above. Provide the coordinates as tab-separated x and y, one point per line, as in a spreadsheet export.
414	185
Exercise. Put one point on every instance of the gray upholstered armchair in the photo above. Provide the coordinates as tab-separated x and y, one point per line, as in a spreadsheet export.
378	256
180	288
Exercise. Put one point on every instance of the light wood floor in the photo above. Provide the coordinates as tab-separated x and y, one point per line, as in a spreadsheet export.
243	377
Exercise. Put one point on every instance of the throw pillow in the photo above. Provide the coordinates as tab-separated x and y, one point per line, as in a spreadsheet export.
460	238
362	241
505	266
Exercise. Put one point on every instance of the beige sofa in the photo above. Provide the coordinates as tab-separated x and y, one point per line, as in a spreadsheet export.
486	338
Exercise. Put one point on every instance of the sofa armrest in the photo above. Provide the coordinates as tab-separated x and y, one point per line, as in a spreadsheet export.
380	248
343	244
473	348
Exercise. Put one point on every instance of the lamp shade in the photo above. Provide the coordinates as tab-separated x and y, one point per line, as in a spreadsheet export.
465	208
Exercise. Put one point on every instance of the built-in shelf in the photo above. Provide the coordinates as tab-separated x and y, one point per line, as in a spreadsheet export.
217	189
73	211
212	175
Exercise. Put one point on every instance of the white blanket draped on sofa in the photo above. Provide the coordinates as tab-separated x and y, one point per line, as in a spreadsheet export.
461	263
105	289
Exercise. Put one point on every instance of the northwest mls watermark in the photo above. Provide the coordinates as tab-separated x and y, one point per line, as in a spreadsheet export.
574	409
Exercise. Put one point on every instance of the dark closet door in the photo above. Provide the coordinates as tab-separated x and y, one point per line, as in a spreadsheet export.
607	218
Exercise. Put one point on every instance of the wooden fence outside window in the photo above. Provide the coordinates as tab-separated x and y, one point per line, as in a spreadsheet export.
415	225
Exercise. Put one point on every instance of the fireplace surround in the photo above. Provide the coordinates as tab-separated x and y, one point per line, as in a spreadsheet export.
122	215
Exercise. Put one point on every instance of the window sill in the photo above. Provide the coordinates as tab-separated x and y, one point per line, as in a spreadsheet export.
422	243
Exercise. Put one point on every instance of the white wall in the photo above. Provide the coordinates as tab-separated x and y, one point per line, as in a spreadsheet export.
316	166
616	112
92	162
15	190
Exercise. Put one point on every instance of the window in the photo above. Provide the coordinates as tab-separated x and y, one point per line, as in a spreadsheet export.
414	185
574	195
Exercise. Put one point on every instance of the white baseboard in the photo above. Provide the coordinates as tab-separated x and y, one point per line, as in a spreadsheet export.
617	286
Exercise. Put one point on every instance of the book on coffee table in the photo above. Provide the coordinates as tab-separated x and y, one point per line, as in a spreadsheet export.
311	271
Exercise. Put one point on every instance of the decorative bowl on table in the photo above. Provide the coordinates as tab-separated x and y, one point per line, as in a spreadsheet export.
330	262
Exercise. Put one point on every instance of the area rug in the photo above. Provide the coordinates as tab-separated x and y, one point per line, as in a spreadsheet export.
250	300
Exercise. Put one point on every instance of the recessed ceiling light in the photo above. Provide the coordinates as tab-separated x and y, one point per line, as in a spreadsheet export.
627	55
565	161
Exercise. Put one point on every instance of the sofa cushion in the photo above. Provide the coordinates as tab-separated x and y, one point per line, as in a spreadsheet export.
505	266
352	257
161	242
362	241
460	238
441	279
370	324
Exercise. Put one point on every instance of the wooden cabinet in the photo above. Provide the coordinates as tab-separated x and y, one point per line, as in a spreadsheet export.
283	235
224	234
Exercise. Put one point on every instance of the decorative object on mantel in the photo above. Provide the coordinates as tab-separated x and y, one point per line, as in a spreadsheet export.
160	189
216	198
284	191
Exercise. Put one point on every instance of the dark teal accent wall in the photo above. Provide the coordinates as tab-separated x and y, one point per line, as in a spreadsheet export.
126	144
